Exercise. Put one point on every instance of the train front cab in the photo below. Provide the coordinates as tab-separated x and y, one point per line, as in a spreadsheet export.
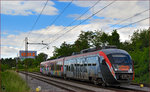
116	67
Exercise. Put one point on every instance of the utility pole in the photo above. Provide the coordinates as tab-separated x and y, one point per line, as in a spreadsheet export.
16	63
26	56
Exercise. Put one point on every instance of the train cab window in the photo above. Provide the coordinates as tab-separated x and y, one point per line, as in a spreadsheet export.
119	58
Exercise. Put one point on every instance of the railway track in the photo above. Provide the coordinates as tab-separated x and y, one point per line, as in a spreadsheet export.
78	86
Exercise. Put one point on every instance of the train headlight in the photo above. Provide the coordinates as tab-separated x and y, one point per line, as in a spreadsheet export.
116	69
130	70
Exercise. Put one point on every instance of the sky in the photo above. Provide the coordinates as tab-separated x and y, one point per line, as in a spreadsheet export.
64	21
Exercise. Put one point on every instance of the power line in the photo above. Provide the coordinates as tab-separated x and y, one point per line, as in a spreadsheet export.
38	18
76	18
80	23
57	17
127	18
133	23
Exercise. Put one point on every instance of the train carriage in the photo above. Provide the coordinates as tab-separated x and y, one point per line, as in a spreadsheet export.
108	66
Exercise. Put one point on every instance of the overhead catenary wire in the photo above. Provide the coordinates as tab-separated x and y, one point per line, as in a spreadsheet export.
33	26
79	24
133	23
75	19
127	18
56	18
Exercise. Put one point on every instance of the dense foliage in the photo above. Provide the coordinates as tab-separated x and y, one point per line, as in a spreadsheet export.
29	63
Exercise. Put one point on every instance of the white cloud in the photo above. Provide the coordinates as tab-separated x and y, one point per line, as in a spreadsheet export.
27	8
76	16
16	41
8	51
120	10
84	3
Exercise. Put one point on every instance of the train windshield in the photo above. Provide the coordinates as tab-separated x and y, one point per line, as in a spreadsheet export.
119	59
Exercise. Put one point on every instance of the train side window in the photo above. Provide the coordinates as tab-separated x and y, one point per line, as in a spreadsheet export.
94	64
95	60
89	61
85	64
89	64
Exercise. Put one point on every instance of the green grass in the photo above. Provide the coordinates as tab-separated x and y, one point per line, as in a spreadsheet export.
12	82
36	69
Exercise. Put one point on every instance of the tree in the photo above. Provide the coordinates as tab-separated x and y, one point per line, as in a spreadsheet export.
29	62
84	41
114	39
140	39
96	39
40	58
104	37
64	50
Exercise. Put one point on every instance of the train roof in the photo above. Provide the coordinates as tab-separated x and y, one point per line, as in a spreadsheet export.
59	59
106	51
83	54
110	51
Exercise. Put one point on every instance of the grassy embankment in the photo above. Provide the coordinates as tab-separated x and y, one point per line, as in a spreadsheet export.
12	82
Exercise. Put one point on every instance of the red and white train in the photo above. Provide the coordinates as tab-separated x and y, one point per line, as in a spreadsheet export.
109	66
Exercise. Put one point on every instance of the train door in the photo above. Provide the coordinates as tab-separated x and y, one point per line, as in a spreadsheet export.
84	69
92	68
71	68
74	68
68	69
65	68
78	68
89	68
